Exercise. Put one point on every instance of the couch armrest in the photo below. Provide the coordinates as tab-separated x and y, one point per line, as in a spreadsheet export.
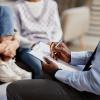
75	22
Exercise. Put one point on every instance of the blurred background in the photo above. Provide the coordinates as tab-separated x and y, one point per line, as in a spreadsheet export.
80	20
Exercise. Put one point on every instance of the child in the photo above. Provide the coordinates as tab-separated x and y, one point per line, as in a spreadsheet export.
9	43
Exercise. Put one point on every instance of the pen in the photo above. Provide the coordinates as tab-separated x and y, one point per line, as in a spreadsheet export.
52	52
58	43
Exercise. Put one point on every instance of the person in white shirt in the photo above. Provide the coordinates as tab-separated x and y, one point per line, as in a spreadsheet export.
37	21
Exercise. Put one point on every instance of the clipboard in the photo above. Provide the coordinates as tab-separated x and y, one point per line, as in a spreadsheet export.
42	50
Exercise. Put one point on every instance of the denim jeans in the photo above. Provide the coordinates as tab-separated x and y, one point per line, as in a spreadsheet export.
6	21
30	61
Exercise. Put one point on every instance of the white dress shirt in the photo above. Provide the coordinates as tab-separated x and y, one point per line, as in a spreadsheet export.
82	80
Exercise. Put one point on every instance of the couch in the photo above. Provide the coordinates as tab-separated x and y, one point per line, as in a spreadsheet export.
75	23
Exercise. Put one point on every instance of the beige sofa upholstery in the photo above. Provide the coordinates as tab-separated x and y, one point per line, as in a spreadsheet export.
75	22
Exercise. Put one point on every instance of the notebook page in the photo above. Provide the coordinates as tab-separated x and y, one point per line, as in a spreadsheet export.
42	50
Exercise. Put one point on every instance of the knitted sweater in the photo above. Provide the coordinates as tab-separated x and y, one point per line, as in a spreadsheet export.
44	27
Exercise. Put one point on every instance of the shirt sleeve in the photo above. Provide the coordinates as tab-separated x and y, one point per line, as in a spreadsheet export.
57	30
80	58
82	80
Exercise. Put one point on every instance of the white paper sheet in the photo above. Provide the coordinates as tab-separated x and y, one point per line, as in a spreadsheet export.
42	50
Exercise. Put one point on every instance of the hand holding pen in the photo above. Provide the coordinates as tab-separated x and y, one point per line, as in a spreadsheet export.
53	46
60	51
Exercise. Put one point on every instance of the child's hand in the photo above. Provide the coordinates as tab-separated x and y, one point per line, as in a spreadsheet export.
8	47
2	47
5	58
10	50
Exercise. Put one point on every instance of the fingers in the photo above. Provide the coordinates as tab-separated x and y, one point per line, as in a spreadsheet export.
52	49
63	46
5	58
9	53
55	56
47	60
60	51
52	45
54	53
44	65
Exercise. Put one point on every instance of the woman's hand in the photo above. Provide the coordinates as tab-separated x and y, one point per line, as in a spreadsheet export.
62	52
10	50
49	67
2	47
6	53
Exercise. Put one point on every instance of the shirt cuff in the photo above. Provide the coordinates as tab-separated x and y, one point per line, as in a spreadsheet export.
61	74
64	75
53	73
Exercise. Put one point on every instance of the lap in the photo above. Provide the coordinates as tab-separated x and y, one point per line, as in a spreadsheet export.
30	61
37	89
46	90
27	58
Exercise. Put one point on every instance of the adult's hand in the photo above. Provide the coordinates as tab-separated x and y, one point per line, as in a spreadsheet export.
49	67
5	53
52	50
10	50
62	52
2	47
9	53
5	58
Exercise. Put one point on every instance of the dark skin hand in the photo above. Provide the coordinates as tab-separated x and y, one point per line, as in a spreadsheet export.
49	67
60	52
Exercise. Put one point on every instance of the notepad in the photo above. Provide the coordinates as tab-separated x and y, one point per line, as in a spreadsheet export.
42	50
